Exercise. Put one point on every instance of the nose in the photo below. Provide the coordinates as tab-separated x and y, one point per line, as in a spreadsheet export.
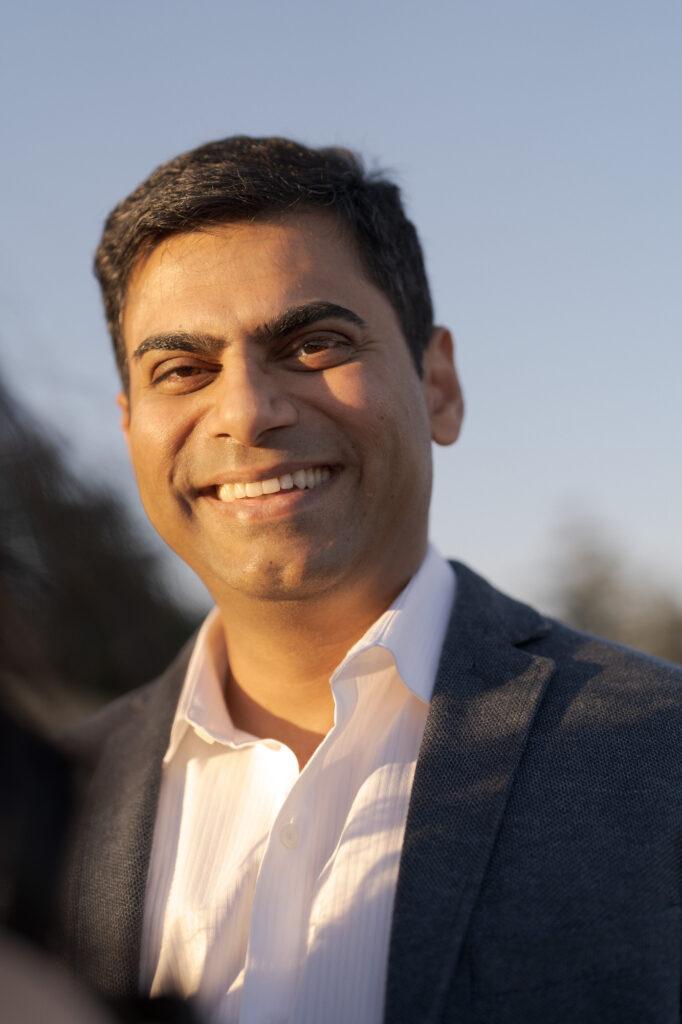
248	401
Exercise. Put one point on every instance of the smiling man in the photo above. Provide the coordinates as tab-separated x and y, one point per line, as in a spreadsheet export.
280	436
371	788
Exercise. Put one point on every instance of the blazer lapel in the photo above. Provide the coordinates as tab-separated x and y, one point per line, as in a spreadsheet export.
486	694
118	756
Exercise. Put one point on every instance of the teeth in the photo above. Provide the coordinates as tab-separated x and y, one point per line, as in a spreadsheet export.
302	479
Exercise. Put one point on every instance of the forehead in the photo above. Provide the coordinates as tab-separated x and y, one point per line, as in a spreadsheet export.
242	273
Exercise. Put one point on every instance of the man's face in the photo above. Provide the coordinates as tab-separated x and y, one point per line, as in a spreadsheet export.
262	358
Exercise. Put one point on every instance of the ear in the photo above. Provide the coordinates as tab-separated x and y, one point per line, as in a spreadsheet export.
442	392
123	402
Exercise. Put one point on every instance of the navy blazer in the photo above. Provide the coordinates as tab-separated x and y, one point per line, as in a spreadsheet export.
540	874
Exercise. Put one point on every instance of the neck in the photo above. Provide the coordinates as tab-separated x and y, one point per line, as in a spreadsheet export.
281	656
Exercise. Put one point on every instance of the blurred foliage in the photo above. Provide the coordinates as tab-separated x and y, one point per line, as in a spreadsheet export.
83	615
599	591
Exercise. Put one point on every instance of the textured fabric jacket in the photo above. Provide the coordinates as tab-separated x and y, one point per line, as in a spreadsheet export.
540	873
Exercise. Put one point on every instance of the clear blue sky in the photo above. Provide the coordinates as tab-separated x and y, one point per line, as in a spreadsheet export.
539	148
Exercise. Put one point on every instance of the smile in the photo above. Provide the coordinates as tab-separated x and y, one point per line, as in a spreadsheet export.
302	479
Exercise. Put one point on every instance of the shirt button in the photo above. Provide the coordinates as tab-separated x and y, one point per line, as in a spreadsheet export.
290	836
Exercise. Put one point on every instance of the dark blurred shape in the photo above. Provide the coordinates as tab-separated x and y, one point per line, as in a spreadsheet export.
36	802
599	591
35	809
159	1010
34	814
83	616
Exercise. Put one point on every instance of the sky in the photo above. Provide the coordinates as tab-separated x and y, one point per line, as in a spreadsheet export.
539	151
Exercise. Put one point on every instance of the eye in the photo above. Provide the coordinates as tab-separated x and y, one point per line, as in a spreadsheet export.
181	375
321	352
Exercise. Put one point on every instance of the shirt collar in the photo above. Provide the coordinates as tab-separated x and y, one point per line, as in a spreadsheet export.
202	701
412	630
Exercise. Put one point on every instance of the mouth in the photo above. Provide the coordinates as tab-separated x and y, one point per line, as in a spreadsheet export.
301	479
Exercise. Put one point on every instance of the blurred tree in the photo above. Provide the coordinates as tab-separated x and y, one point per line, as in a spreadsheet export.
600	592
83	615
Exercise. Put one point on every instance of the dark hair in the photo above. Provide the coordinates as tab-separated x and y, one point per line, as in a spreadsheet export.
243	178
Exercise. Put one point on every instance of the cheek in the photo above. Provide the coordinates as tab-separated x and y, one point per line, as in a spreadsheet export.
385	418
151	446
159	427
400	413
348	388
389	393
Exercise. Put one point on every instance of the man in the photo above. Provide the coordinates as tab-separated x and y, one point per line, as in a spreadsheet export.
373	788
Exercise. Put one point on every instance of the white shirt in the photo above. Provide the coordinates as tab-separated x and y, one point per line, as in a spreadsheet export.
270	891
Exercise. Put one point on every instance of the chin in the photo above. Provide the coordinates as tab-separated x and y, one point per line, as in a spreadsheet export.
269	579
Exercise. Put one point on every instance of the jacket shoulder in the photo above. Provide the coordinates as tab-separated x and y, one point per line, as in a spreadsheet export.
491	616
634	670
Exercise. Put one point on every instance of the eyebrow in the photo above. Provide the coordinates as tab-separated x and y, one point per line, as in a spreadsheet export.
293	319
